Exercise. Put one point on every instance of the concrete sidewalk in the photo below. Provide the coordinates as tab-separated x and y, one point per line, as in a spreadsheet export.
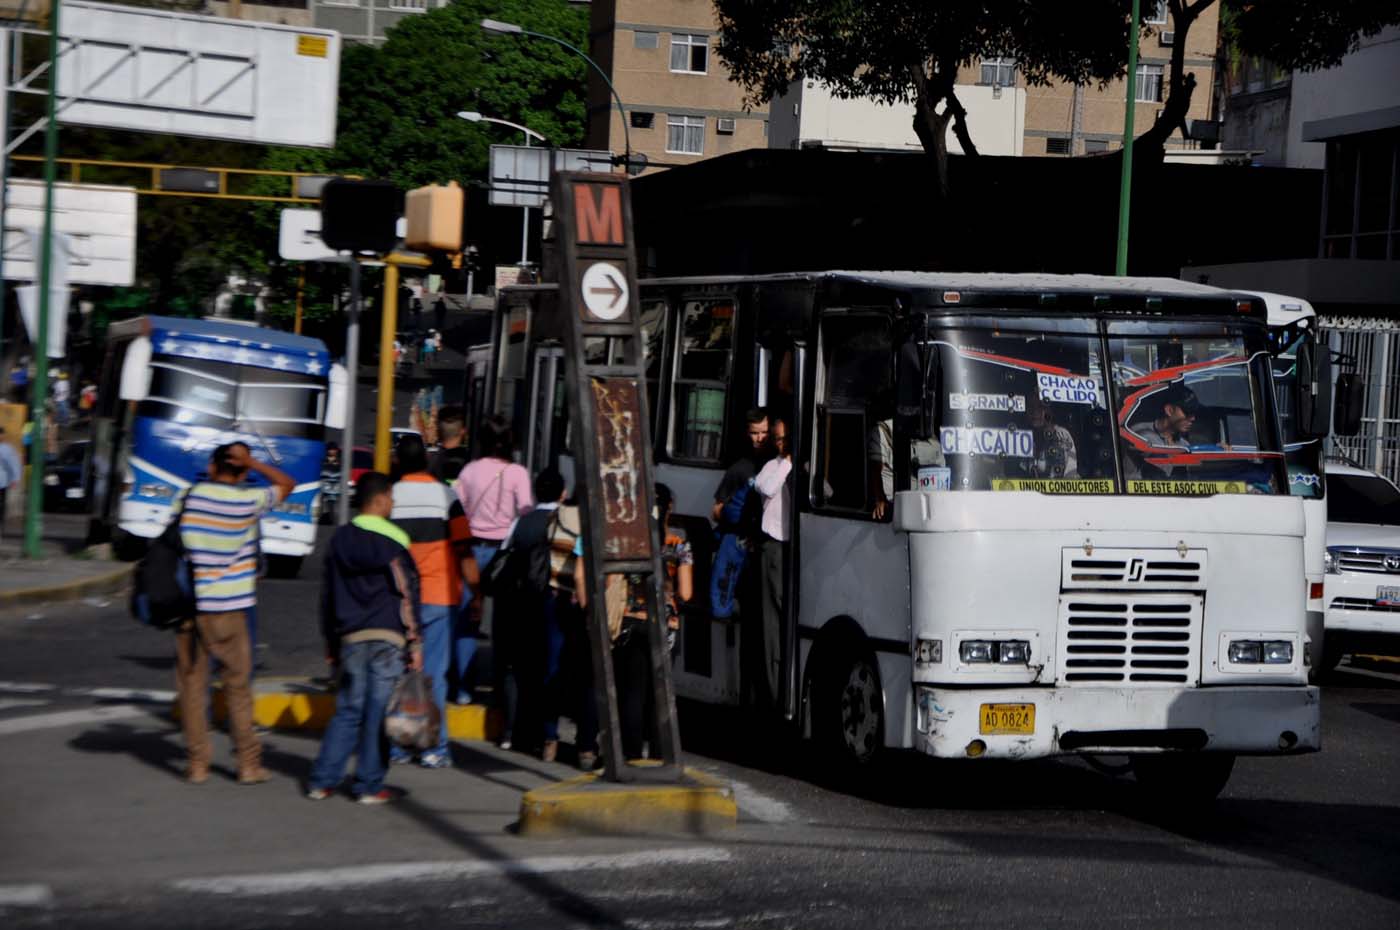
65	570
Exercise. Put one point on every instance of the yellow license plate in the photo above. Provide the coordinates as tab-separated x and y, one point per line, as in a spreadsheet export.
998	719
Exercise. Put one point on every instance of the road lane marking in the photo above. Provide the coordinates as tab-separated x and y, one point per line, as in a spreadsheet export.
25	895
758	805
359	875
14	703
135	695
65	718
20	687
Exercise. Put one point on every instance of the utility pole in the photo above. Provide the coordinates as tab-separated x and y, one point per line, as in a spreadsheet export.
1125	189
33	513
352	364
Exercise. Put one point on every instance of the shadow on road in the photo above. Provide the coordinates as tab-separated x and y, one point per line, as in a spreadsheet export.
152	662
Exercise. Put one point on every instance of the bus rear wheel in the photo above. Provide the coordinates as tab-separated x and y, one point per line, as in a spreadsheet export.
850	714
1183	779
284	566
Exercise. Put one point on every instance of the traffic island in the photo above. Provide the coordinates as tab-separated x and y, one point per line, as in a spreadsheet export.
588	806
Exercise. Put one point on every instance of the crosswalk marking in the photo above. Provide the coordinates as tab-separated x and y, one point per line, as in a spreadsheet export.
25	895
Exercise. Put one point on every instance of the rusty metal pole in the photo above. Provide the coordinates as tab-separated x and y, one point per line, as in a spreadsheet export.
384	403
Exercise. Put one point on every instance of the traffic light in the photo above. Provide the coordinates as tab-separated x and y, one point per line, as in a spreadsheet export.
433	216
360	216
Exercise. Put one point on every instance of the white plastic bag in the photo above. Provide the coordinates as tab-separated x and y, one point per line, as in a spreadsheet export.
412	719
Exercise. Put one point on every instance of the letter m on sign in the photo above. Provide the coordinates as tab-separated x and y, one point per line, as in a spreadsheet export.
598	213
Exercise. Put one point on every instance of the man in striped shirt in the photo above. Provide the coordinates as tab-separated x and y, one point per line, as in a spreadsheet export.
219	527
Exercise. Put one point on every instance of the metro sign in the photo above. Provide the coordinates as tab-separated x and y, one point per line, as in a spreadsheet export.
598	256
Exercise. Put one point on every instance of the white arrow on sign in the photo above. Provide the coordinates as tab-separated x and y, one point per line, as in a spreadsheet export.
605	291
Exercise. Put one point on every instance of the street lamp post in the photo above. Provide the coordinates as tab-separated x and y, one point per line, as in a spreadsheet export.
529	133
496	27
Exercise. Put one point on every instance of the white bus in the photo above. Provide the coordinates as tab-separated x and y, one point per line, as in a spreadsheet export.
1090	545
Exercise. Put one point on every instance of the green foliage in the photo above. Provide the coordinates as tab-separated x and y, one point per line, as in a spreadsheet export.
1305	35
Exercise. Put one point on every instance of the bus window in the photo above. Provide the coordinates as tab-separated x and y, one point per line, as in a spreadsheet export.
191	396
702	374
855	426
653	349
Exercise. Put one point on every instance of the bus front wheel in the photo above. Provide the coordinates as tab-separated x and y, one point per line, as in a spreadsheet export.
850	715
284	566
1183	778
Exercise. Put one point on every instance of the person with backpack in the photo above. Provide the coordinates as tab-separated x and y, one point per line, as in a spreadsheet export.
736	515
523	649
430	514
370	620
218	530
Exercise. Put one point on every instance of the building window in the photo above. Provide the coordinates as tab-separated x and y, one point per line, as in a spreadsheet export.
1362	218
998	72
641	119
685	135
1095	145
408	6
689	54
1156	13
1057	145
1149	83
646	40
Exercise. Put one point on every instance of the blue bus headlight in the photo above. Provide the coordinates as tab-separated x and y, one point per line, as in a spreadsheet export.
292	508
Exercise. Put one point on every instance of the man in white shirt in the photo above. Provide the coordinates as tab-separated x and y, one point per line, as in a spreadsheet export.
772	484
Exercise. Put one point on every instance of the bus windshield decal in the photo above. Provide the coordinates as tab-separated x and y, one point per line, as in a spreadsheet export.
1055	485
1187	488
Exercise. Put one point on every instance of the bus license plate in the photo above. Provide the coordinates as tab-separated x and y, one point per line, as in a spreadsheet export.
1007	719
1387	596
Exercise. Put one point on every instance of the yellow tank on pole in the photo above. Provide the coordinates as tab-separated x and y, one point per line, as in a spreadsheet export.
384	404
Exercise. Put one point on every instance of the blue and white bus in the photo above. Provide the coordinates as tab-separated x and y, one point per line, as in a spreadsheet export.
174	389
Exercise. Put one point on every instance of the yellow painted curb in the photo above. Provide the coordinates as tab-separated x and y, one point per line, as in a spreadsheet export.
1376	658
296	707
588	805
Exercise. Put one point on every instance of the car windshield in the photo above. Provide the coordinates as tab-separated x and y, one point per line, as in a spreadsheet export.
1190	418
1302	455
1023	407
1362	499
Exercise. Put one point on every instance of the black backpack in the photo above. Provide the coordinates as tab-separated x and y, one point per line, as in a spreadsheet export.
163	585
523	567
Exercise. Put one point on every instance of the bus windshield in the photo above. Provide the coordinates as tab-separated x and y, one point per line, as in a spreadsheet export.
223	396
1079	406
1302	455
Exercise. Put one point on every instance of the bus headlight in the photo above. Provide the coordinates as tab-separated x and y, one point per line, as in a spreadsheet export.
977	650
156	490
1014	652
995	651
292	508
1260	652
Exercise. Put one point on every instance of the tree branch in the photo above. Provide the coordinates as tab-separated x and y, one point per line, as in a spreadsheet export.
964	138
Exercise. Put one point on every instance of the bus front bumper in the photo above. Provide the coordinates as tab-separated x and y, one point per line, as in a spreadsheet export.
1024	723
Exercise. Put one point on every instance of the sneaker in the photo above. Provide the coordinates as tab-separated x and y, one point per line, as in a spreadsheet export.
254	776
435	760
318	794
588	761
382	796
505	743
550	750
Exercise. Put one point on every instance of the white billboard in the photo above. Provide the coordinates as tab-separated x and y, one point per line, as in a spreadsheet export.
520	174
100	222
180	73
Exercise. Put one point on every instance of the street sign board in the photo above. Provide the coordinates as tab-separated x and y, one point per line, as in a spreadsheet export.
520	173
299	238
604	292
187	74
99	220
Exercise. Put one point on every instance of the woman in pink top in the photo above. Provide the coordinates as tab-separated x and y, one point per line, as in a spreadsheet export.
493	491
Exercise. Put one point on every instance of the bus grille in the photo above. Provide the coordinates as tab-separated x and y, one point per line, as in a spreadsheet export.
1130	639
1133	569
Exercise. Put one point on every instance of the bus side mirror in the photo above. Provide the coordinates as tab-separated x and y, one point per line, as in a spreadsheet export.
337	396
1314	388
136	370
1351	401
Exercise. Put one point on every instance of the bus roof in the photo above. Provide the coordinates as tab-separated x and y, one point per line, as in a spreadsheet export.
1283	310
228	341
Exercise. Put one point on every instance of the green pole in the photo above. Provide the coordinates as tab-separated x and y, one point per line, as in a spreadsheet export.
33	512
1125	189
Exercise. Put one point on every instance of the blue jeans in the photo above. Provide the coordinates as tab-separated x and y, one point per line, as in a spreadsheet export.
436	621
465	638
368	672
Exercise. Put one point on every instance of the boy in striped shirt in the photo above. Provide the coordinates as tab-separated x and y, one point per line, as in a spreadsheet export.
219	527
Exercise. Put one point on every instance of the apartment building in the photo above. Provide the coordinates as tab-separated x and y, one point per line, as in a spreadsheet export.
680	105
283	12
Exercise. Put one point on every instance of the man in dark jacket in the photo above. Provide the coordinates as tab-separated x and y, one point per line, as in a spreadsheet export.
369	616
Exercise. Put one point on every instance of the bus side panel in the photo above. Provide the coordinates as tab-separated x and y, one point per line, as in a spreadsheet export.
860	569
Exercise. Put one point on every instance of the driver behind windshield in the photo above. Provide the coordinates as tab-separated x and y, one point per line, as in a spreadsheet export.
1171	414
1055	452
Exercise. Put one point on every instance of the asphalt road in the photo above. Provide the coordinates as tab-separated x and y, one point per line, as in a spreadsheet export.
95	830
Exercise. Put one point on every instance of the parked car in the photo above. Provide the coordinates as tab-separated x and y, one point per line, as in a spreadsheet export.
65	478
1361	584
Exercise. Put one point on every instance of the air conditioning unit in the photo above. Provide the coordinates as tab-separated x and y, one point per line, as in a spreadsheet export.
1167	38
724	126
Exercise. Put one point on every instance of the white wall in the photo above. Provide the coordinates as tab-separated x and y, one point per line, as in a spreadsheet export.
1368	79
996	122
